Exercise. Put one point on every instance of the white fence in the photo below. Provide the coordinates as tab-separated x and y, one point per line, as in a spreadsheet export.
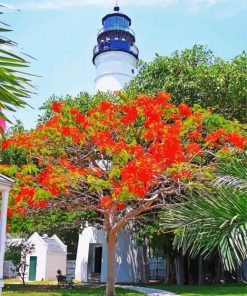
9	270
70	269
156	268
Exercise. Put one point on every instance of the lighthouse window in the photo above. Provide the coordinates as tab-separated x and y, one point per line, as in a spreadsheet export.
115	23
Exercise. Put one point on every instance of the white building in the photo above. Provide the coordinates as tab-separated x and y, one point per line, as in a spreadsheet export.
114	57
115	54
49	255
92	255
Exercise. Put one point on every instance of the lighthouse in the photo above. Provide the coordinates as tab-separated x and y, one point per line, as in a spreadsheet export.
115	54
114	57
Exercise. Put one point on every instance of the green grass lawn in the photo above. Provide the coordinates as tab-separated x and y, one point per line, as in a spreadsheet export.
216	290
41	290
53	290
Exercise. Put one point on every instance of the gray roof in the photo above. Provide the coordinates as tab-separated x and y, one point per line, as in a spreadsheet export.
6	180
53	245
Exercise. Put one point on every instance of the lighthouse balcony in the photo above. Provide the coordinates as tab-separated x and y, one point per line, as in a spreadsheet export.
121	34
115	45
116	28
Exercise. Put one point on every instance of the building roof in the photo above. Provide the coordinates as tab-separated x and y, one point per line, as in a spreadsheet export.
53	245
6	181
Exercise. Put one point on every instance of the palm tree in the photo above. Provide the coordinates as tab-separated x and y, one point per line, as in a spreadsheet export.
14	84
215	218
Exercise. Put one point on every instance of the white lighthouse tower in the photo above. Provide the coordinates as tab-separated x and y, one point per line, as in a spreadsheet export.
115	58
115	54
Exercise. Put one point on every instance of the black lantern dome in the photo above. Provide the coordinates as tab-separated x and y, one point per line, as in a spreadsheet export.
116	34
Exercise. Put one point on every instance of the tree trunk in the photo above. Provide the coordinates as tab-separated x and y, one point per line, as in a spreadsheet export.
170	270
240	274
179	265
145	272
111	263
201	271
23	281
218	272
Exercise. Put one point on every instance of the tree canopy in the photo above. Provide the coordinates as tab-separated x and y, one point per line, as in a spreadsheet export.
119	160
197	76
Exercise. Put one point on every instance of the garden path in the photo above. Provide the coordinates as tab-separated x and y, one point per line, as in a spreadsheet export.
149	291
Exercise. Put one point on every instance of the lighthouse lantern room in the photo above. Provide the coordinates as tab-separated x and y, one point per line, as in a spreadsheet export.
115	54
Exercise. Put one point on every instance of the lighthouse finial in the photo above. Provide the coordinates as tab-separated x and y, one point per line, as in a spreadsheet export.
116	8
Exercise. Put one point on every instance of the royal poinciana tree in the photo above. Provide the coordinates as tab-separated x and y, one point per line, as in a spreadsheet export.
119	160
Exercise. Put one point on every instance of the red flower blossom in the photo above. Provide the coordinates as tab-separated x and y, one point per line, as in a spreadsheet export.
106	202
28	191
5	144
42	204
131	115
137	171
103	139
121	206
236	139
9	213
53	122
81	118
193	148
74	111
31	203
163	98
184	110
137	189
214	136
21	211
54	190
175	117
66	130
57	107
105	105
180	175
194	135
17	199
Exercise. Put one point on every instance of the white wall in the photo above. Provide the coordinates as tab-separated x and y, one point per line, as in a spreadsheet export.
47	263
113	70
127	264
127	258
53	263
41	252
89	235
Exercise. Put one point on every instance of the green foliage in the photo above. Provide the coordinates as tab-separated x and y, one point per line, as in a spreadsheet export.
17	252
13	155
83	102
196	76
13	254
14	84
215	218
233	173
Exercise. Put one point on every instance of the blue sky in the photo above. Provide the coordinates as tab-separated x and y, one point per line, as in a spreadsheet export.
61	34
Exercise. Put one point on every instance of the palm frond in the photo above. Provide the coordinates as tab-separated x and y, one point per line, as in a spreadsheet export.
15	87
209	220
232	173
